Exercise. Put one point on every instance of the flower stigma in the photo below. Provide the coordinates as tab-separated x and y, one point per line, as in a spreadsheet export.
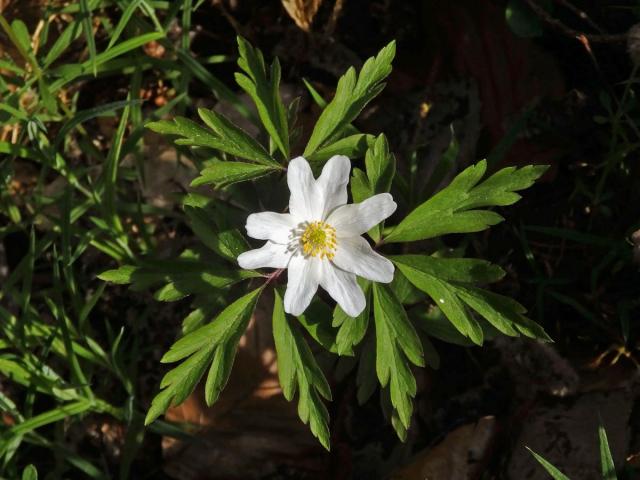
319	240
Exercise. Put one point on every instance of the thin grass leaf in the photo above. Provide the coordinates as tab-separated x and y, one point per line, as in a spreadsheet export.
606	460
553	471
130	9
84	115
87	27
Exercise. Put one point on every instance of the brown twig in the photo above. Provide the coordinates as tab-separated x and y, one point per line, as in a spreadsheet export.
569	32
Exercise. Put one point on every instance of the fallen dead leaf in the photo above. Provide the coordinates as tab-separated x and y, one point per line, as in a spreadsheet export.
302	11
460	456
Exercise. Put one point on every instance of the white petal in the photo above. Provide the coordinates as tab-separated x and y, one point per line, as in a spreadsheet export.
302	283
276	227
355	255
305	203
270	255
332	183
356	219
343	288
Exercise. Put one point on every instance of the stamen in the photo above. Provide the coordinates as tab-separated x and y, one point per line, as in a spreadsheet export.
319	240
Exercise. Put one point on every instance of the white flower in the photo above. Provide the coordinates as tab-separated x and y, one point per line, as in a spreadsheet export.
319	241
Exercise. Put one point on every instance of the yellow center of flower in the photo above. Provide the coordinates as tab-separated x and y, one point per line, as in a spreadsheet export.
319	240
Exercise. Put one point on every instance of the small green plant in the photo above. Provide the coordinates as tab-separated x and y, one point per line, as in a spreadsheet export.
606	460
408	289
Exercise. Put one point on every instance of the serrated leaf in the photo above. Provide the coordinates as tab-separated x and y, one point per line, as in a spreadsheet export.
380	168
213	344
504	313
226	243
444	296
455	208
353	146
265	92
449	282
404	290
298	370
380	165
225	137
199	282
314	321
236	138
366	377
466	270
434	323
352	330
227	173
360	187
191	273
397	344
219	331
353	93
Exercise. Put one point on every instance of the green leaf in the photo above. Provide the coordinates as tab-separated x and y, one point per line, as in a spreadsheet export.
226	137
504	313
69	34
87	26
360	187
227	243
445	297
237	139
380	165
553	471
434	323
404	290
191	273
212	344
353	146
366	377
298	370
455	208
201	282
70	72
120	276
353	93
84	115
64	411
124	20
21	34
265	92
606	460
223	174
314	320
397	344
219	89
30	473
448	281
352	330
466	270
